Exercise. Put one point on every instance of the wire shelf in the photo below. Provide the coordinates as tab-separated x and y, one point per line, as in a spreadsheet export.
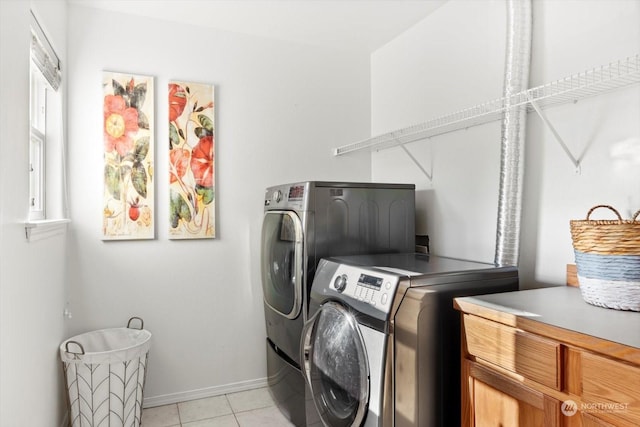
589	83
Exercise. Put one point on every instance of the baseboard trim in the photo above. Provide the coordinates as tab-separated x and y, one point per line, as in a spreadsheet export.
168	399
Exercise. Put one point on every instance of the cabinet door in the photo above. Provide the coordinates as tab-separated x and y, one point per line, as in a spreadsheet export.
495	400
612	387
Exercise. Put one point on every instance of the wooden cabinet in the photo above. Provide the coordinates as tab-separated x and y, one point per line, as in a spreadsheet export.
495	399
517	372
514	350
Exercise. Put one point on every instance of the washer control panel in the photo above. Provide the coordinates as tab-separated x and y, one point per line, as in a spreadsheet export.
369	286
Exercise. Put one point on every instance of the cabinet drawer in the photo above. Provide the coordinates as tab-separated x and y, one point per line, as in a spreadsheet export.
611	387
526	354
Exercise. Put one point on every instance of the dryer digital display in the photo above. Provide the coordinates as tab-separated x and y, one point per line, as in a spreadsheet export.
370	281
296	192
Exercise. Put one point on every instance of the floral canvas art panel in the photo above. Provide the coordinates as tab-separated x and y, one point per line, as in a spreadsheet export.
192	196
128	197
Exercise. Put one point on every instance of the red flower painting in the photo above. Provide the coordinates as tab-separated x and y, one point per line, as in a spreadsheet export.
179	162
120	124
202	162
128	157
177	101
191	160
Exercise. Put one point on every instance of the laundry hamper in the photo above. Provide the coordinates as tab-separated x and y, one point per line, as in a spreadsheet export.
607	254
104	373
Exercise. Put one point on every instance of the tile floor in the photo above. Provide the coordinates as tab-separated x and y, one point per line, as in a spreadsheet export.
252	408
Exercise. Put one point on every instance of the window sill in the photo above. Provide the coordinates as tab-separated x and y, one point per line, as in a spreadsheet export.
43	229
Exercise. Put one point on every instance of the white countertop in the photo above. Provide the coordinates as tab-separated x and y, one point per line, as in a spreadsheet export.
564	307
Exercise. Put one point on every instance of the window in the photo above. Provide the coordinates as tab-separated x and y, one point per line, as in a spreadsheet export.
47	193
37	163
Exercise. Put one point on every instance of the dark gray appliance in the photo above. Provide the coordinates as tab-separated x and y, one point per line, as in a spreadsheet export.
382	346
304	222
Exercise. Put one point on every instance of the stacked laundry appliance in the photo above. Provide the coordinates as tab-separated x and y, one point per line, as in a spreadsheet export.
304	222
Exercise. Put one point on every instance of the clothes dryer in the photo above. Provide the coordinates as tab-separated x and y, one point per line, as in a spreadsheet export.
382	345
304	222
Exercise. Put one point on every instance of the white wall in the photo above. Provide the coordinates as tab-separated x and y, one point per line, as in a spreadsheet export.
32	275
281	108
451	60
573	36
278	102
455	59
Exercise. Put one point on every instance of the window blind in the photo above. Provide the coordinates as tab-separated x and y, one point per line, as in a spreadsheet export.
43	55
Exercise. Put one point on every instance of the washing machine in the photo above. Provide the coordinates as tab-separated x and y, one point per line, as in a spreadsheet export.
304	222
382	344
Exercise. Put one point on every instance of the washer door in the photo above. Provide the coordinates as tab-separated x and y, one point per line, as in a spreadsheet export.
281	268
336	366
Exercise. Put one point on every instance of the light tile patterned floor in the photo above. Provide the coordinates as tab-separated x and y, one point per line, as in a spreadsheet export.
252	408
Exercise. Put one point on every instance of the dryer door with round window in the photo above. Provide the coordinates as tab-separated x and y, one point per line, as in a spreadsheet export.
281	268
336	366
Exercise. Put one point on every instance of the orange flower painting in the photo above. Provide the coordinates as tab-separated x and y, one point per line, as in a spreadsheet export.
128	198
120	123
191	161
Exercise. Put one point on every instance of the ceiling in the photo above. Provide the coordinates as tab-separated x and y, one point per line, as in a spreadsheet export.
344	24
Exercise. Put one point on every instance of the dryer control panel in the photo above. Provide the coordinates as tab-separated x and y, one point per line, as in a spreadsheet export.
371	287
289	196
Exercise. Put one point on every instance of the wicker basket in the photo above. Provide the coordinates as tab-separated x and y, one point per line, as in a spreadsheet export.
608	259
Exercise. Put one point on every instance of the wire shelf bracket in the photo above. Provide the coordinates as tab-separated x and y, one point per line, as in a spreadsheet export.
417	163
592	82
556	135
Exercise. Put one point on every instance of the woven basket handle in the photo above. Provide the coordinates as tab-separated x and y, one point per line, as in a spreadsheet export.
135	318
75	353
608	207
635	215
